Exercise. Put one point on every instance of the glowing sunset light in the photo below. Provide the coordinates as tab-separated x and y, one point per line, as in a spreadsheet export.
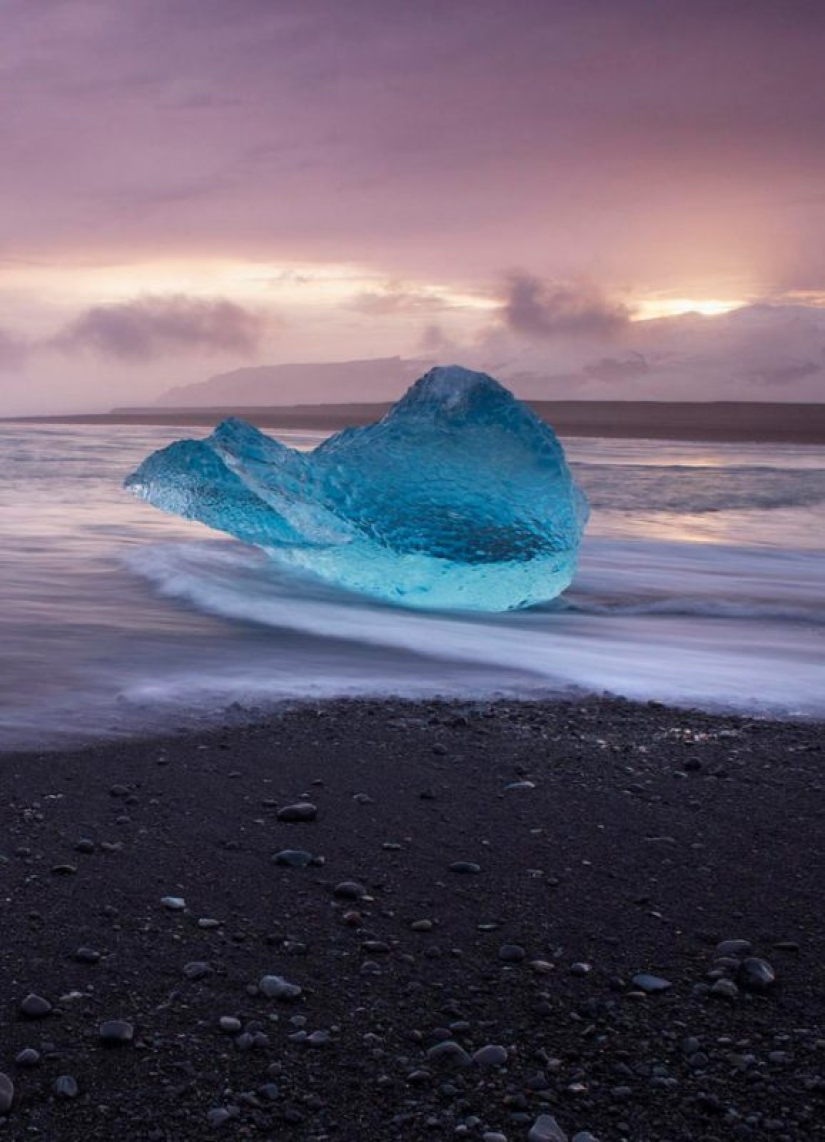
651	308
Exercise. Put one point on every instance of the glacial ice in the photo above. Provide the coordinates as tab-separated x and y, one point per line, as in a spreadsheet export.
460	497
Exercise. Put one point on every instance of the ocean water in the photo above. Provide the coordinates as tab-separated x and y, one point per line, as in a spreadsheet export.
701	582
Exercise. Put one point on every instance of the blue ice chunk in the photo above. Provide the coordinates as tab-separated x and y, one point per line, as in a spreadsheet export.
460	497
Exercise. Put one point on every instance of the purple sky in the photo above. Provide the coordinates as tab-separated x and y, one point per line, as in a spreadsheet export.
191	185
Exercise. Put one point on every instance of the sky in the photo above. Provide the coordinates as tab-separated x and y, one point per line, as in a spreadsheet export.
596	199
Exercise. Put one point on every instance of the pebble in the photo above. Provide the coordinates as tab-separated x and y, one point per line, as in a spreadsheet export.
6	1094
116	1032
465	866
28	1057
276	987
35	1007
512	953
581	968
422	926
724	989
449	1053
65	1086
651	983
86	956
299	811
229	1024
755	975
546	1129
173	903
84	845
293	858
736	948
198	969
492	1055
350	890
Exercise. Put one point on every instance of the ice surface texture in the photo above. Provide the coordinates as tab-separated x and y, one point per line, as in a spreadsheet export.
459	498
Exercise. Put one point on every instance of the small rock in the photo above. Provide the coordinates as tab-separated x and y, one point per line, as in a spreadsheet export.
581	968
116	1032
65	1087
736	948
349	890
492	1055
512	953
449	1053
755	975
86	956
465	866
276	987
300	811
546	1129
6	1094
293	858
724	989
198	969
35	1007
651	983
28	1057
173	903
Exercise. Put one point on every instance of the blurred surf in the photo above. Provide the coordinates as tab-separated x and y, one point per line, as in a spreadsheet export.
701	582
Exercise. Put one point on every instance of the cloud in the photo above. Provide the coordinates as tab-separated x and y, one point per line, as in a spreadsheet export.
540	310
396	298
150	327
12	351
617	369
784	374
434	340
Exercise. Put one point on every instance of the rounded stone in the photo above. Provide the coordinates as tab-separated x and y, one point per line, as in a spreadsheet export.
35	1007
493	1055
293	858
735	948
350	890
651	984
198	969
276	987
299	811
511	953
756	975
116	1032
65	1086
6	1094
449	1053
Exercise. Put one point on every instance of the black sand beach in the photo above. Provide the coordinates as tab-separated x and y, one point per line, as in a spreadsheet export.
483	877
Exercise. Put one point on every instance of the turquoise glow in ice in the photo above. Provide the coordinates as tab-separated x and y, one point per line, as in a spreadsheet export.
459	498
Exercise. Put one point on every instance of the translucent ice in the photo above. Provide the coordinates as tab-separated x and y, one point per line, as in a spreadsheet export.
459	498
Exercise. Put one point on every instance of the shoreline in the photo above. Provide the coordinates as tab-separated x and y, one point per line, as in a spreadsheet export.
596	838
700	422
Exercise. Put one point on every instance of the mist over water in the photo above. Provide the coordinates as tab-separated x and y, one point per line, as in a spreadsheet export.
701	581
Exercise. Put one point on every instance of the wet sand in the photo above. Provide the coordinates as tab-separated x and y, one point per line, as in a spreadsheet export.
480	877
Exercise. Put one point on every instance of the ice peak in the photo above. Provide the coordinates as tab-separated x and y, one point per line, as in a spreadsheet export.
451	388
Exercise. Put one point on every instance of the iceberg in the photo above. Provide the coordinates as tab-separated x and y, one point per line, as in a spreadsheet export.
459	498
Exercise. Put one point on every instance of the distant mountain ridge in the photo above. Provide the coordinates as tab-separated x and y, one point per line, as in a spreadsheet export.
337	382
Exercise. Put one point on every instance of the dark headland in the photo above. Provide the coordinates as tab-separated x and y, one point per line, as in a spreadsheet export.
654	420
602	913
